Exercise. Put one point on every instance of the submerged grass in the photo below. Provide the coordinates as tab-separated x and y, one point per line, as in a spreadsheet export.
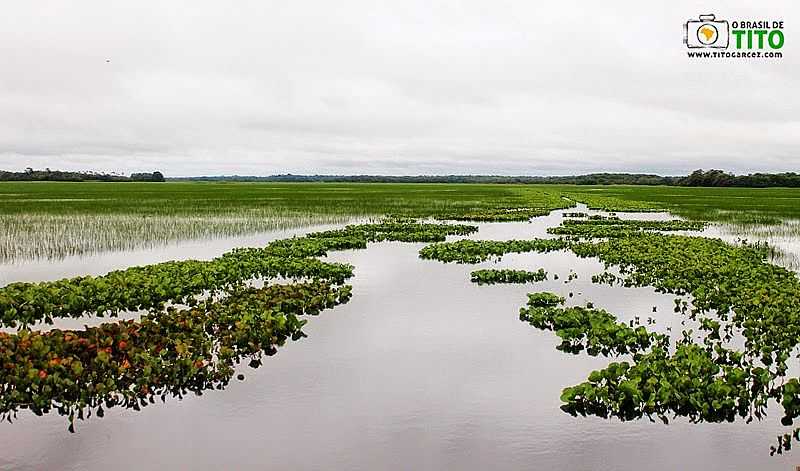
782	240
50	236
186	199
742	205
54	220
57	219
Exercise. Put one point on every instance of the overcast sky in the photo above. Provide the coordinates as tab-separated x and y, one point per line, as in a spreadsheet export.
402	87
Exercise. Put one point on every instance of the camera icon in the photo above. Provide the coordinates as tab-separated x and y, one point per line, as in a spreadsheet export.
706	31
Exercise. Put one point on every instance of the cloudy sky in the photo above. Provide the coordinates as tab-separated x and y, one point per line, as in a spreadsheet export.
402	87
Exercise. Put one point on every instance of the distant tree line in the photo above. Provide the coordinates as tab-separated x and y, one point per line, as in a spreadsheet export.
753	180
592	179
147	177
47	175
708	178
711	178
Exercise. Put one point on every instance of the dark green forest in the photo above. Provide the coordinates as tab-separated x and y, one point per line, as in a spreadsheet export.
698	178
709	178
48	175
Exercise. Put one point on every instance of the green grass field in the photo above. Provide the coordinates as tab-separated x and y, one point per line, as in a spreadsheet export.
372	198
235	198
55	219
762	205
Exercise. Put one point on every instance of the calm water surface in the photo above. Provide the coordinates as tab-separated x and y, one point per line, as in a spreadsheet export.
420	370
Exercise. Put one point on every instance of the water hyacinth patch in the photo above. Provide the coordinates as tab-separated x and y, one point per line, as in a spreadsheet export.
733	282
151	286
591	231
476	251
702	384
613	204
497	215
490	277
166	353
602	228
582	328
544	299
735	293
170	352
397	230
668	225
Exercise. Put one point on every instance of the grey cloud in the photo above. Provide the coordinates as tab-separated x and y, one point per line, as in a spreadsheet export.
409	87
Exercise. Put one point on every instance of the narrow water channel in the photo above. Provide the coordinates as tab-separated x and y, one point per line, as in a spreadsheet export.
422	369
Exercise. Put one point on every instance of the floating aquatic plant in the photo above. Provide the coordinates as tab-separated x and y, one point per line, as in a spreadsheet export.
490	277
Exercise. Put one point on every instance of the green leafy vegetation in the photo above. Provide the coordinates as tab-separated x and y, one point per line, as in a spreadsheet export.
746	312
395	230
734	283
490	277
583	328
171	351
604	203
670	225
168	353
475	251
620	227
735	293
695	382
204	317
151	286
544	299
496	215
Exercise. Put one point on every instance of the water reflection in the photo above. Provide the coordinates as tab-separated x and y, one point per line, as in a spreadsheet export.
420	370
169	353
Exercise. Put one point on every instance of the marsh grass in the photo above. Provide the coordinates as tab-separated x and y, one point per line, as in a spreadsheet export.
48	236
55	220
727	205
782	239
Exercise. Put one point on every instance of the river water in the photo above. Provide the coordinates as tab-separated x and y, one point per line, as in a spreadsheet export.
421	370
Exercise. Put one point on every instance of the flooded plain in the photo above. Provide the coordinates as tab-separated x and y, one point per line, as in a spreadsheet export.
422	369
